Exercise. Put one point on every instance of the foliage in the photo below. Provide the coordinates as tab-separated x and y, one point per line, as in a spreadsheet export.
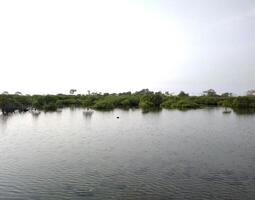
144	99
146	105
207	100
151	100
242	102
169	102
183	94
180	103
103	105
210	93
227	94
186	104
50	107
226	102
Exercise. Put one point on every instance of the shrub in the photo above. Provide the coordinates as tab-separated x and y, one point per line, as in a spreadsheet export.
168	104
185	104
50	107
241	102
103	105
146	105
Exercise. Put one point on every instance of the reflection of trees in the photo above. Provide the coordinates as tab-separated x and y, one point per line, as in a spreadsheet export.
35	116
153	111
244	111
87	115
3	120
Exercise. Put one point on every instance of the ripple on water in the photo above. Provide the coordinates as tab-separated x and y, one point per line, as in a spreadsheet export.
153	156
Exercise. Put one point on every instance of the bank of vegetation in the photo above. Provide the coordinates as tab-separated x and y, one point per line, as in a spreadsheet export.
144	99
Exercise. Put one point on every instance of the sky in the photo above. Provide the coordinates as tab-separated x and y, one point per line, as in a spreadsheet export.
51	46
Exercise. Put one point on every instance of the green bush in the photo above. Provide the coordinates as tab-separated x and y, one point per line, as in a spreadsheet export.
152	100
146	105
103	105
50	107
241	102
144	99
168	104
125	103
185	104
207	100
225	103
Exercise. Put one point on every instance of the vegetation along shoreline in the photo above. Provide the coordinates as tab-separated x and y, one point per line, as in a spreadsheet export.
144	99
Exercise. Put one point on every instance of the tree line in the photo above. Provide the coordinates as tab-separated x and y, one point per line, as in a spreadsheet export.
144	99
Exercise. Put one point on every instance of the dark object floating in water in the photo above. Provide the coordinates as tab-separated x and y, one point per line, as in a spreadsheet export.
117	117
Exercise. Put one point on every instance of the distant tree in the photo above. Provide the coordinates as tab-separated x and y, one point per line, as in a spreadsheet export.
144	91
18	93
210	93
169	93
72	91
88	92
227	94
5	93
250	93
151	100
125	93
183	94
7	104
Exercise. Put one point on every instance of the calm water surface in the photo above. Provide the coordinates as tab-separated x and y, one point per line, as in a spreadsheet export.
197	154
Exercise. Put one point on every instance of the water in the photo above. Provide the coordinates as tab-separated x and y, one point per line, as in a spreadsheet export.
197	154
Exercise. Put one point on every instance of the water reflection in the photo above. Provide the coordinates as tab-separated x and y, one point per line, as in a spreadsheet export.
4	118
154	111
59	110
244	111
87	115
3	121
168	154
35	116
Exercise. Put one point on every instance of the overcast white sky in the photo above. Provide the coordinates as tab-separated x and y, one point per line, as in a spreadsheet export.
51	46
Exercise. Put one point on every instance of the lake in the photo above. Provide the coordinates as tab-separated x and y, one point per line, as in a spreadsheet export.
195	154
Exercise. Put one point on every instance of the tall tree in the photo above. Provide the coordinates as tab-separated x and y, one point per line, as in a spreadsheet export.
210	93
72	91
